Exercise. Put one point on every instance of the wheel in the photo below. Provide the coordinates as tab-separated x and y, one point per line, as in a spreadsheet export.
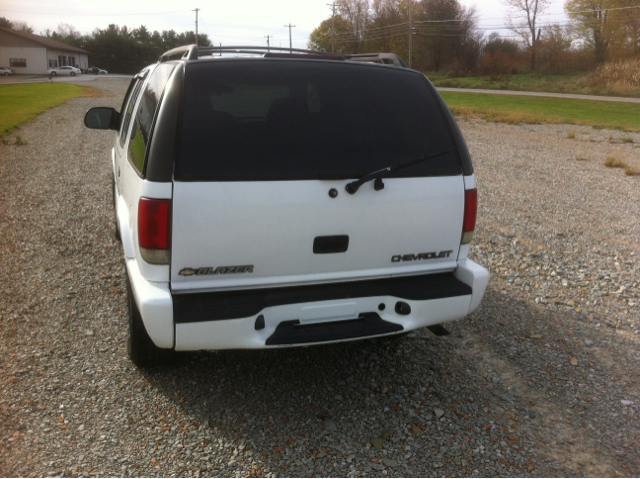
53	73
73	74
140	348
6	74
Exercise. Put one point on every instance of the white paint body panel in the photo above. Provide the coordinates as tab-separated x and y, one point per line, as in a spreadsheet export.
155	304
474	275
272	226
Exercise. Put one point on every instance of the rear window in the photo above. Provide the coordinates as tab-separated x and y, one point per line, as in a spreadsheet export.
248	120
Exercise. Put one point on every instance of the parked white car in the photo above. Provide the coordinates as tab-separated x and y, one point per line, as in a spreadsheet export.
6	71
72	71
288	199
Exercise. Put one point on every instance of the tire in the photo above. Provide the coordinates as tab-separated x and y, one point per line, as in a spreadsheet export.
116	226
73	74
53	74
140	348
6	74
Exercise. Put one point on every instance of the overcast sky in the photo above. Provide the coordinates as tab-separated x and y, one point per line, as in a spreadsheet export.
246	22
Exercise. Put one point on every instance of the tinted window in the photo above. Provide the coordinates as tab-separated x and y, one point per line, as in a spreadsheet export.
128	109
270	119
145	113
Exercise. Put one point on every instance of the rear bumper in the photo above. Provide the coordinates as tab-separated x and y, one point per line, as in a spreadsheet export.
325	313
305	315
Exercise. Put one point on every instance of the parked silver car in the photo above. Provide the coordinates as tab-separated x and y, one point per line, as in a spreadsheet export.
66	70
6	71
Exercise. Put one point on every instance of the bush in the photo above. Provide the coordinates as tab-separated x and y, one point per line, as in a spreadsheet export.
624	73
613	162
497	64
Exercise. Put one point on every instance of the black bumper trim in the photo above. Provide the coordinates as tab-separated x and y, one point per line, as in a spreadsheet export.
368	324
200	307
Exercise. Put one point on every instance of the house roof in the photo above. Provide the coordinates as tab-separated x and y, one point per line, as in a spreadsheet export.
47	42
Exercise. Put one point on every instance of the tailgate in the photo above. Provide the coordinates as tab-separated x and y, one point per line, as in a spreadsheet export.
236	235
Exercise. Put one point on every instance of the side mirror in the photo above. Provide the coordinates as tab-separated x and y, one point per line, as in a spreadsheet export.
102	118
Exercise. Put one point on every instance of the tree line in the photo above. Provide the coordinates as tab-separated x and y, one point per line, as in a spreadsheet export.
115	48
448	37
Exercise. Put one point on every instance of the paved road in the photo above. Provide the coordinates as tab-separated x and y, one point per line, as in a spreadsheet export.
24	79
543	94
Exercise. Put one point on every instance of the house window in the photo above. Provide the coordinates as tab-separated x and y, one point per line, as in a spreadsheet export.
18	62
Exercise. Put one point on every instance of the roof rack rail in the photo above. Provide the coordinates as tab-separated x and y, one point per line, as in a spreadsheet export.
384	58
188	51
193	52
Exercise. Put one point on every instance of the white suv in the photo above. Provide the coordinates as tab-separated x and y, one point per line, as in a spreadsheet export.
288	199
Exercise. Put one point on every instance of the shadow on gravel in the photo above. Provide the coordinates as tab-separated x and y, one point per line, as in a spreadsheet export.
492	398
567	371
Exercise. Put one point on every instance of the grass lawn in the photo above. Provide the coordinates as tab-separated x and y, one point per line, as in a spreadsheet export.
20	103
524	109
578	83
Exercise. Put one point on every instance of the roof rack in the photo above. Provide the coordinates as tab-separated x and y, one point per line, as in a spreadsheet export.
384	58
193	52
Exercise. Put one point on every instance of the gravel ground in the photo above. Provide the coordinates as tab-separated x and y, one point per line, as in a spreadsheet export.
542	380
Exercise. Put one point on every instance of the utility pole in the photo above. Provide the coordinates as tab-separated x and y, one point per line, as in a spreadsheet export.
196	10
268	46
290	27
333	22
410	33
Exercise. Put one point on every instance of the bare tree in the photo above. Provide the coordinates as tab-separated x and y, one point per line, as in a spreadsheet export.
22	26
522	19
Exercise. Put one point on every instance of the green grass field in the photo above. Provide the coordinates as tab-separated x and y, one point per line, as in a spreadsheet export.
524	109
20	103
578	83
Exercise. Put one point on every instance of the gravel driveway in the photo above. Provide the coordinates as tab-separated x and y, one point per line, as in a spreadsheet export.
542	380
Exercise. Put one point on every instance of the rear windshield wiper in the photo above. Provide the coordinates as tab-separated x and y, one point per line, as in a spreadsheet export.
379	174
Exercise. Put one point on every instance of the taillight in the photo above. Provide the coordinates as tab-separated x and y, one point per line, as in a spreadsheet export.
154	230
470	213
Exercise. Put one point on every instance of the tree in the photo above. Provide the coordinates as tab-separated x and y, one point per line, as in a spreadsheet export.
523	20
496	44
625	36
356	15
447	32
21	26
555	48
592	21
68	34
5	23
320	38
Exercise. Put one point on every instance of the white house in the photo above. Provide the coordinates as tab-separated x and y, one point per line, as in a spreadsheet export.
33	54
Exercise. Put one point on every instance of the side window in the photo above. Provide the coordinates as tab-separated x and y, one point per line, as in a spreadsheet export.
145	113
128	110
